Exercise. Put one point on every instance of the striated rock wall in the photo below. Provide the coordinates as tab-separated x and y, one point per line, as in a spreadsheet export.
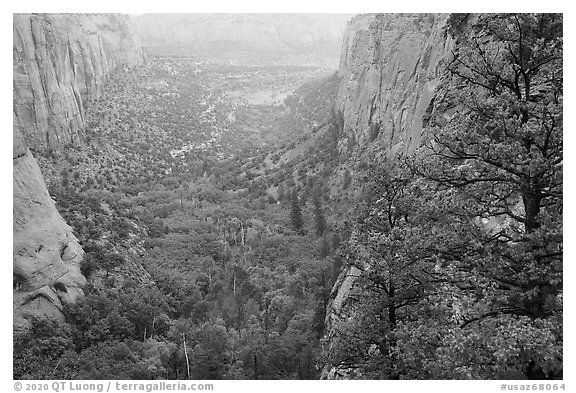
390	72
46	255
389	69
60	63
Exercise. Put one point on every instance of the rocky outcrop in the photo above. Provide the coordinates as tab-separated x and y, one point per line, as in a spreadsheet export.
390	73
389	69
60	63
46	255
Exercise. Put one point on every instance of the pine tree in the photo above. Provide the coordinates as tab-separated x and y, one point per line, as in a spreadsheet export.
498	161
324	247
501	153
296	212
319	217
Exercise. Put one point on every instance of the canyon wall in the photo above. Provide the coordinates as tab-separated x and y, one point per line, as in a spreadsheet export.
46	255
60	63
390	67
391	70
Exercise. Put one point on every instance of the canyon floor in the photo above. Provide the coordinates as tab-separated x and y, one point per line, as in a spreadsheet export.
181	188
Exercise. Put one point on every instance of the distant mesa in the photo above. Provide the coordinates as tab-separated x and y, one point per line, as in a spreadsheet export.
220	33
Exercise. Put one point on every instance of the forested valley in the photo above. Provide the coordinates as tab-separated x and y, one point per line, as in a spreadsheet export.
193	232
221	214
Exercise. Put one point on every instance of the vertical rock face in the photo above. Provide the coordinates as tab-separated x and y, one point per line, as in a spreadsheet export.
60	63
46	270
389	68
390	71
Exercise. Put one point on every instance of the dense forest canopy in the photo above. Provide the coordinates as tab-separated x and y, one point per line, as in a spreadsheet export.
196	266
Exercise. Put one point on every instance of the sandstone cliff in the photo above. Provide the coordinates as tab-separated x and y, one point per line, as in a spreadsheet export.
389	69
60	63
390	73
46	254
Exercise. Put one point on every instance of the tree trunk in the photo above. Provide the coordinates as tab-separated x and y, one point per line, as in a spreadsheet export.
392	325
255	366
391	308
186	355
531	200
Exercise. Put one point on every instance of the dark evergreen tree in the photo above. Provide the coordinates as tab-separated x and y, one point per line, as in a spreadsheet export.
498	160
324	247
296	218
319	218
501	154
